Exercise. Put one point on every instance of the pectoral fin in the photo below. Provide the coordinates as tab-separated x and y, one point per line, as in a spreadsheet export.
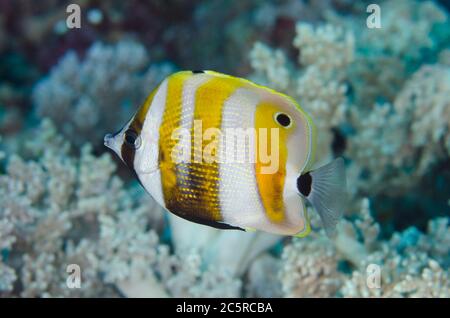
325	189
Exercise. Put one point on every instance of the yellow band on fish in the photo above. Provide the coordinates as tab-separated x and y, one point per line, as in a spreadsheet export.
270	185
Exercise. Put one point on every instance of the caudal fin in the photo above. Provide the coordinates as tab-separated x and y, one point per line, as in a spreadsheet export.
325	189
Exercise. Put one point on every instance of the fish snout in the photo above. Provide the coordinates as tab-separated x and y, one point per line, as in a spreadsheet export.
113	142
107	140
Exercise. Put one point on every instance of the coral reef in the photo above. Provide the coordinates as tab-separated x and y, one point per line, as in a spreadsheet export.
411	263
309	269
381	116
415	133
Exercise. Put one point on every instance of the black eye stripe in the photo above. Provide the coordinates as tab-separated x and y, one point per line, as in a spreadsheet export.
128	147
283	119
128	155
130	136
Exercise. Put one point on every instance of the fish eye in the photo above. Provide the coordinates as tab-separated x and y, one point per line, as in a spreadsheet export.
132	139
283	119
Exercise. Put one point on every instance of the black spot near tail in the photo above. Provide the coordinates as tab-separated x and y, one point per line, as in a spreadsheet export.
304	184
198	71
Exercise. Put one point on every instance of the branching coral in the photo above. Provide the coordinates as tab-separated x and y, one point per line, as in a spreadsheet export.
374	150
270	66
400	124
310	269
191	280
141	267
411	263
214	245
429	279
386	56
327	47
433	282
424	102
88	98
263	277
406	28
397	144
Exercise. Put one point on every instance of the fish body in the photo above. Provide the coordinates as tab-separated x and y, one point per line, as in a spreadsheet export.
225	152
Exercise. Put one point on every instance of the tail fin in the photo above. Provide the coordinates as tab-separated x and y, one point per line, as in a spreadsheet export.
325	189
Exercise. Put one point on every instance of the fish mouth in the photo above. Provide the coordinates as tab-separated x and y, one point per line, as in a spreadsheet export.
112	142
107	140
